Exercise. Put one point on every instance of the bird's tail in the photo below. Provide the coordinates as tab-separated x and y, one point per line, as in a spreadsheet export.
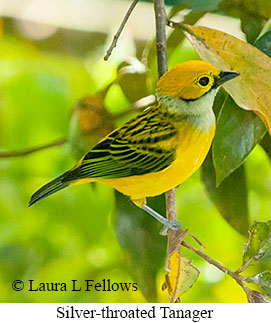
52	187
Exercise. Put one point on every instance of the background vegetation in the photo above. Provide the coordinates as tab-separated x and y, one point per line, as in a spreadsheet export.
88	232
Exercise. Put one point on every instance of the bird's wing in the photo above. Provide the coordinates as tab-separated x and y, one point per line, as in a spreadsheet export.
140	146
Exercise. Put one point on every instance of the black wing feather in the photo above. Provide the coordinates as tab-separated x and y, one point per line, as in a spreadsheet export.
132	149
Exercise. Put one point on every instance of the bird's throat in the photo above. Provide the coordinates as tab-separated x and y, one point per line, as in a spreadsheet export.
197	113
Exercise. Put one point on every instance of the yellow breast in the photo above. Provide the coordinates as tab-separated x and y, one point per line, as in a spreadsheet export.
192	148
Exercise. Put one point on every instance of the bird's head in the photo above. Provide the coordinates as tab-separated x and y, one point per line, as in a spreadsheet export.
191	80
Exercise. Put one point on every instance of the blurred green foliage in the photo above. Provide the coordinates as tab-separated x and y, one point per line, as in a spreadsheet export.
77	234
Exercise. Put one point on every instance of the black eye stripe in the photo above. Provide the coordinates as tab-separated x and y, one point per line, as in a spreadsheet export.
204	80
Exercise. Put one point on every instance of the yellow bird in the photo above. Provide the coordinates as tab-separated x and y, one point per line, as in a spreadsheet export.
161	147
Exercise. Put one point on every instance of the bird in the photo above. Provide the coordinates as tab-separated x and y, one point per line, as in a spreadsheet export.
158	149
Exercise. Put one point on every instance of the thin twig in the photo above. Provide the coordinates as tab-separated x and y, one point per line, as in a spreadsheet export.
206	257
235	275
117	35
197	240
244	266
217	264
28	151
179	25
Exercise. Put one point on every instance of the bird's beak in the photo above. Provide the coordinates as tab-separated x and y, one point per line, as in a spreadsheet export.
225	77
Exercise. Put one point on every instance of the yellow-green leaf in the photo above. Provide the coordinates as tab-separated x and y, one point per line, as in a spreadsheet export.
252	89
182	275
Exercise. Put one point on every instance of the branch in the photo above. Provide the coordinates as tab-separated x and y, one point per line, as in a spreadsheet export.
161	21
208	259
28	151
117	35
176	25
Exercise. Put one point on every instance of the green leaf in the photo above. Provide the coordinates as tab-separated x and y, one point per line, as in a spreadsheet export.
264	252
264	282
193	4
138	235
264	43
133	84
258	246
230	198
260	7
266	144
251	26
251	22
237	133
252	8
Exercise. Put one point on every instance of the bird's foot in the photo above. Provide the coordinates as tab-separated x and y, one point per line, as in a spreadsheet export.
168	224
172	224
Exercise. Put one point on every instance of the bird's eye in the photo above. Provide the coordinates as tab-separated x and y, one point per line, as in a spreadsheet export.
204	80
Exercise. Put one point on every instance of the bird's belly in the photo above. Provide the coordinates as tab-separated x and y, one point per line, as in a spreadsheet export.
189	157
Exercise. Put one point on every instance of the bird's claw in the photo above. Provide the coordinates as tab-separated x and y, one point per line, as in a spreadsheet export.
171	224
